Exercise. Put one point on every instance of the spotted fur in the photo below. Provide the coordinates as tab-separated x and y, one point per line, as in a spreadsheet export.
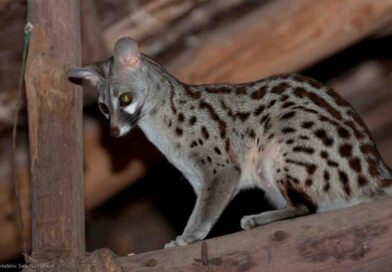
289	135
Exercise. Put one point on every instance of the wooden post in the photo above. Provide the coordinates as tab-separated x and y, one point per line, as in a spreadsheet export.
55	130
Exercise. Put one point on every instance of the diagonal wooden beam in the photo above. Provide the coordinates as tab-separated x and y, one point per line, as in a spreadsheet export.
352	239
283	36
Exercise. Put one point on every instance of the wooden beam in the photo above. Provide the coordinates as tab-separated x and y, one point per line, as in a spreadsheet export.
353	239
55	130
283	36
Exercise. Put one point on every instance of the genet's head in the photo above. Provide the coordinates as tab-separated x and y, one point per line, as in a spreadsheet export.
123	84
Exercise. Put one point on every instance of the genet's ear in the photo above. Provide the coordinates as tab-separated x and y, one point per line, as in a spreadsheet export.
126	55
88	73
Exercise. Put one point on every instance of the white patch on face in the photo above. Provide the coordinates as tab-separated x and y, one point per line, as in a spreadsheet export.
131	108
124	129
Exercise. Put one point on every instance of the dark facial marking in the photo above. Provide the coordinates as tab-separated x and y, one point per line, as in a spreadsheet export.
193	144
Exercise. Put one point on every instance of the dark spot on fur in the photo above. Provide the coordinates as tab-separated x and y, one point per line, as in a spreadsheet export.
271	103
241	90
191	93
288	115
298	197
362	181
259	94
324	154
205	133
355	164
372	167
307	124
192	120
310	167
251	133
279	89
193	144
318	100
332	163
303	149
308	182
288	130
179	131
214	116
343	133
181	117
290	141
322	135
209	159
284	97
259	110
217	150
288	104
345	182
346	150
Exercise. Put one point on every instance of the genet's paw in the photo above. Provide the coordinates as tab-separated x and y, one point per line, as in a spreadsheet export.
179	241
248	222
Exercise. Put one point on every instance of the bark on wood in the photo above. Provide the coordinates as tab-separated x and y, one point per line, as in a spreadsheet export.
284	36
55	129
353	239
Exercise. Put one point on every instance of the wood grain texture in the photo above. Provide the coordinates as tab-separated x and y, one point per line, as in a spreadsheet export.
55	129
353	239
283	36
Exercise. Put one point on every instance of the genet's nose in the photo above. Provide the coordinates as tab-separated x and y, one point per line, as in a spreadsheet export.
115	131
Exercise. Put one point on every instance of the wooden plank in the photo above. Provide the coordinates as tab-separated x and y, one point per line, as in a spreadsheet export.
55	130
353	239
283	36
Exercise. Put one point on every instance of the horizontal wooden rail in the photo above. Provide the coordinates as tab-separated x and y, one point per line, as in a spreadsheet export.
352	239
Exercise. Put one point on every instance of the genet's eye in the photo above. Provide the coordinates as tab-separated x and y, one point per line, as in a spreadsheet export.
104	109
125	99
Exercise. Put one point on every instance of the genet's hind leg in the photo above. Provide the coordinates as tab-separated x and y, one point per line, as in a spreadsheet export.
252	221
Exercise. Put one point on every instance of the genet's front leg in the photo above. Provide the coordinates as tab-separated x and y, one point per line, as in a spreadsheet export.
211	201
